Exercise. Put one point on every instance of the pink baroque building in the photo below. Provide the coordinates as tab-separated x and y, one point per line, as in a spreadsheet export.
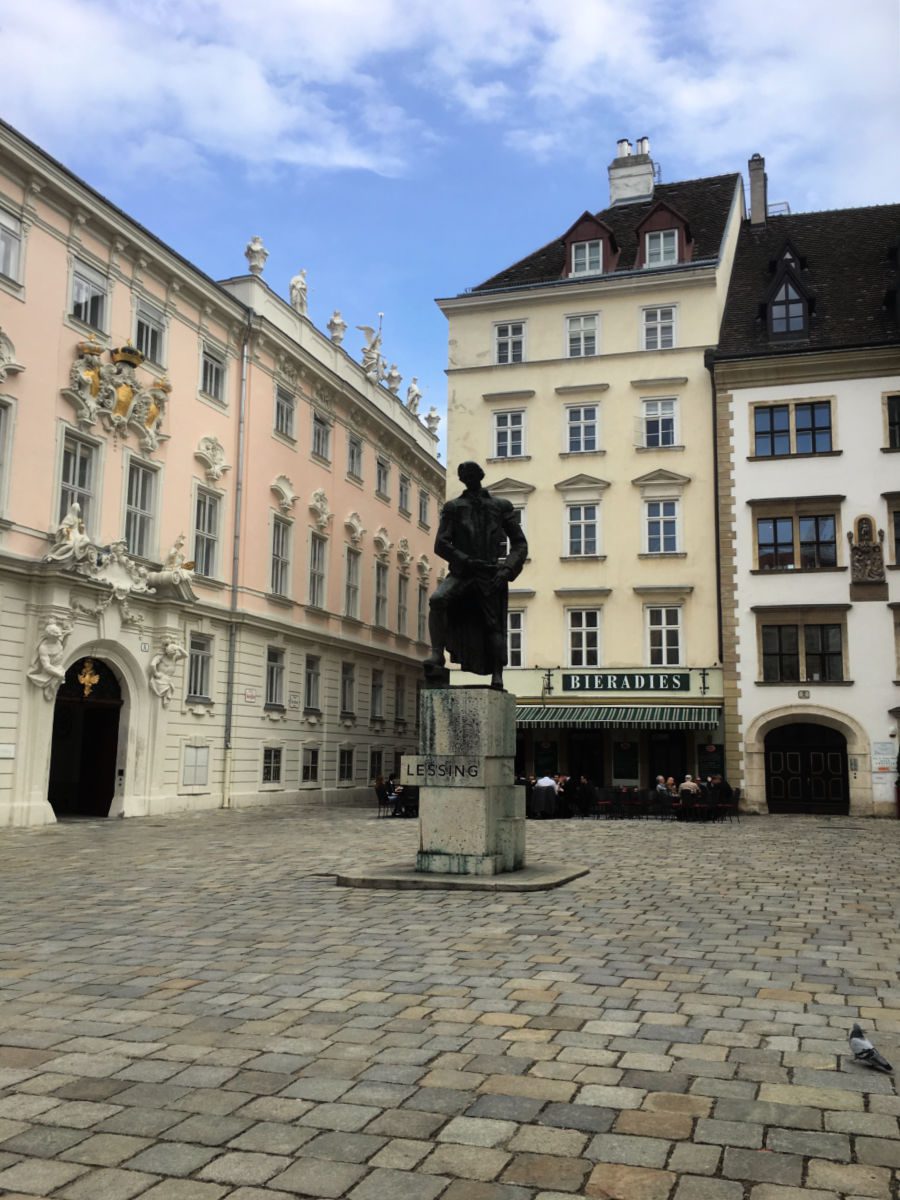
216	526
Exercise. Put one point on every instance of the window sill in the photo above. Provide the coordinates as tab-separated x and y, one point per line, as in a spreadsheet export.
890	449
805	683
654	449
357	480
352	620
383	496
347	716
663	554
581	453
271	787
12	287
782	457
582	558
212	402
312	712
210	582
424	526
796	570
405	512
510	458
199	700
274	708
320	458
83	327
286	438
315	610
892	566
275	598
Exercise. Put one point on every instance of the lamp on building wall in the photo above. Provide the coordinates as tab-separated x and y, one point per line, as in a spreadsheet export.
547	685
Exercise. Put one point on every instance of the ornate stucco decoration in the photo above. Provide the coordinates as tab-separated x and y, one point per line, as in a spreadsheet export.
404	555
318	506
382	543
284	490
423	568
866	552
355	528
324	397
8	363
162	670
47	671
211	453
288	372
112	394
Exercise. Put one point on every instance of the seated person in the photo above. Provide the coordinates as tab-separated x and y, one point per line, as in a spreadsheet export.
689	787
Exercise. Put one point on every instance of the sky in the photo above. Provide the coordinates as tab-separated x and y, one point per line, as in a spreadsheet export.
402	150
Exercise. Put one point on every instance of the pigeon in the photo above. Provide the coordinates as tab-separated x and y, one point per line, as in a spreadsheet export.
865	1052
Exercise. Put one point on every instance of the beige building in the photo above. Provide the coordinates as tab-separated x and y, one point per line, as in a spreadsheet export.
216	525
577	375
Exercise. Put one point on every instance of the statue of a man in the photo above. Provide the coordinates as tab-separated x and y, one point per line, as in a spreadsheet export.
162	668
298	289
467	614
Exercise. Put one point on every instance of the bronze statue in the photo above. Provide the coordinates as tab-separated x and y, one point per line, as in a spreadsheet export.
467	616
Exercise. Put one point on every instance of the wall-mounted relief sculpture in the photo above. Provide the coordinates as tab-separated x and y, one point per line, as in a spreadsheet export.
404	556
47	671
161	671
112	394
9	365
318	506
355	528
382	542
284	490
423	567
211	453
866	552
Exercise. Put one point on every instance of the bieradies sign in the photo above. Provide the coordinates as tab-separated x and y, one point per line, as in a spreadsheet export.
626	681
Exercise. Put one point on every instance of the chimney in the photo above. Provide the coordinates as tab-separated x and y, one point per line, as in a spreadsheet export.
631	175
759	181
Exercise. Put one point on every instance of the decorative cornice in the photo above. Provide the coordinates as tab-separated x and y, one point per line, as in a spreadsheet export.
573	389
318	504
211	453
284	490
382	542
354	526
664	381
862	362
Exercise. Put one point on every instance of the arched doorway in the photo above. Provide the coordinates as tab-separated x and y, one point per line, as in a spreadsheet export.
806	770
85	741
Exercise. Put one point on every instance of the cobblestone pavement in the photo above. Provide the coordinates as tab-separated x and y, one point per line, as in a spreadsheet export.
192	1010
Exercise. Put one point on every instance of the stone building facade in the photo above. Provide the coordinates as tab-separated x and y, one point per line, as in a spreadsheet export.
215	526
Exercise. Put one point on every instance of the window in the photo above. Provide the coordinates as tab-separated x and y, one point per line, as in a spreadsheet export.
402	604
139	508
664	636
783	429
351	583
199	666
662	526
582	529
661	248
893	421
775	543
317	549
404	495
10	245
382	476
584	637
77	477
271	772
422	613
808	653
659	423
5	418
274	677
812	424
309	772
348	688
509	434
400	697
321	437
281	557
311	681
818	543
345	766
515	638
285	409
787	310
381	594
581	426
376	763
195	770
206	532
509	342
149	330
895	521
424	507
354	455
659	328
89	289
212	374
581	336
587	257
377	695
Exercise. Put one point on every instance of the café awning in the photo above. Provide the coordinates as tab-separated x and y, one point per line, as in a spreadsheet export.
611	716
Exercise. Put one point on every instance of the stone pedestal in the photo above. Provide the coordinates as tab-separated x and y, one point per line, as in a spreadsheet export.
471	814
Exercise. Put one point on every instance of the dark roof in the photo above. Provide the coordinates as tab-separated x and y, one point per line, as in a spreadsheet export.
704	203
848	270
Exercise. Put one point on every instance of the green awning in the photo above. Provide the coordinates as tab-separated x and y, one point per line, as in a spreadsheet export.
610	716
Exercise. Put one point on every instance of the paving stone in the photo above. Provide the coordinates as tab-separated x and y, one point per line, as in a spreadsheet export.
731	1133
509	1108
399	1185
320	1178
541	1139
470	1162
879	1152
347	1118
401	1154
185	1189
669	1125
761	1166
615	1181
585	1117
526	1085
470	1189
141	1122
171	1158
611	1097
816	1145
691	1159
38	1176
208	1130
243	1167
634	1151
853	1179
700	1187
772	1191
344	1147
546	1171
440	1100
406	1124
273	1137
109	1183
105	1149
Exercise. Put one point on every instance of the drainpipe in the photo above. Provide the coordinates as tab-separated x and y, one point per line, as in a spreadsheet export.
710	366
236	559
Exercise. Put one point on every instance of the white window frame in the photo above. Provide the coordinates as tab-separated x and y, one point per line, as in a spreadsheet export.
276	671
148	516
382	477
202	537
582	517
312	683
342	776
667	242
354	456
399	697
578	633
320	446
87	497
280	547
424	508
271	760
509	342
376	695
577	334
404	494
402	603
382	594
663	658
506	432
7	423
94	280
195	767
582	252
352	575
577	422
672	520
310	765
217	359
515	638
153	318
653	327
12	243
348	687
200	665
422	612
285	421
652	409
318	571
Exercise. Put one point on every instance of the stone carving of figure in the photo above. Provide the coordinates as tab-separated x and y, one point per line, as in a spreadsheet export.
298	293
866	553
372	361
176	556
432	420
467	612
46	670
393	379
256	255
413	396
337	327
70	540
162	670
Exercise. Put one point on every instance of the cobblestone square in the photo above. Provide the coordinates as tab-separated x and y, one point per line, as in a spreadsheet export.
193	1011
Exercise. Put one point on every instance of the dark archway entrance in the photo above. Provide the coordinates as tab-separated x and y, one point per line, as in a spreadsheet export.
806	770
85	741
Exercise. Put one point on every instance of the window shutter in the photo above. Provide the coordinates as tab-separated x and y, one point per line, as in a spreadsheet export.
639	431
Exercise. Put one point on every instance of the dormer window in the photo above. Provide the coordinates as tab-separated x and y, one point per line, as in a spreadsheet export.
787	310
661	248
587	258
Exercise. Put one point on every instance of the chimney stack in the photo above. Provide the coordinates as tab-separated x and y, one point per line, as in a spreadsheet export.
759	186
631	174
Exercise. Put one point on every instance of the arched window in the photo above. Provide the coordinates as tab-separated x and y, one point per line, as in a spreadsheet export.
788	310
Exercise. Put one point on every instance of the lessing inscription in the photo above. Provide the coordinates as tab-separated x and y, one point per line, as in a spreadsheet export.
626	681
441	770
